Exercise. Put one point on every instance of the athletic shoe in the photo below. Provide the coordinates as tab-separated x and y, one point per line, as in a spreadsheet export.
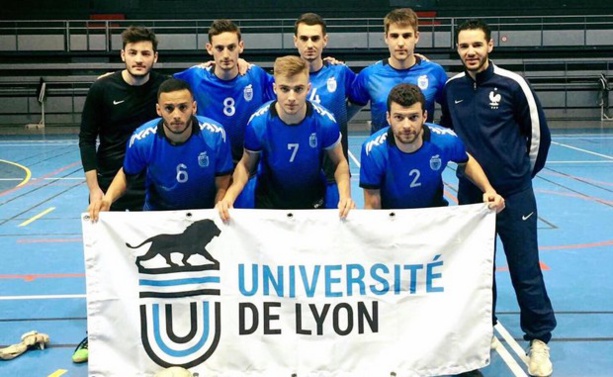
81	353
472	373
539	364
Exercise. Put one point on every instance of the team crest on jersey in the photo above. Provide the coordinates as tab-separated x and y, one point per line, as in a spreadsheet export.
248	92
203	160
422	82
495	98
171	290
435	162
331	85
313	140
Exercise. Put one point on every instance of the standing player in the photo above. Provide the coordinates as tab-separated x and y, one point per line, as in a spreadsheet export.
186	158
330	86
224	95
115	106
403	164
290	136
501	121
375	81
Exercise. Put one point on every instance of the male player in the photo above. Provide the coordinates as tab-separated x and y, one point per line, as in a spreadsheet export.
330	86
224	95
402	165
290	136
186	158
375	81
115	106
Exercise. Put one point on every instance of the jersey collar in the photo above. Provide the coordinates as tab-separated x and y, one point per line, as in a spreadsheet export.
485	75
387	62
274	113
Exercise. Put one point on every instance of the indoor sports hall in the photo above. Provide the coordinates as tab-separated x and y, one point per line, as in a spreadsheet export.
48	65
42	277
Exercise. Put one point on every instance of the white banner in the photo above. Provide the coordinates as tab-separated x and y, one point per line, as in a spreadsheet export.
276	293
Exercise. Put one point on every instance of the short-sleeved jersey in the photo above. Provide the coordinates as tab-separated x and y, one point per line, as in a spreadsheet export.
409	180
291	156
179	176
230	102
330	87
375	82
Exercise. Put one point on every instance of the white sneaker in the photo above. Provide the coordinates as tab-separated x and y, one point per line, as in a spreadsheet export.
539	364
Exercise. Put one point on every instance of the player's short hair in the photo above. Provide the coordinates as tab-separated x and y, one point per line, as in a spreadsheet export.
223	26
475	24
290	65
174	85
406	95
134	34
401	17
310	19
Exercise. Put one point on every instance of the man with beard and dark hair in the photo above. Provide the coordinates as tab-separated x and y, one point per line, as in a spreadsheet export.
500	119
115	106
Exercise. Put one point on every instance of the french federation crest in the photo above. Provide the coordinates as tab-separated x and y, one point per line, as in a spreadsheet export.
422	82
248	93
313	140
180	309
203	160
435	162
495	98
331	84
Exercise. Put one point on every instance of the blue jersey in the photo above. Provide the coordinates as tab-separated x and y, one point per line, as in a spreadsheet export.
330	87
291	156
375	82
179	176
230	102
409	180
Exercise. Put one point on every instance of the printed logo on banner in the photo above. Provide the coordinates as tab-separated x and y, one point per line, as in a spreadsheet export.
165	281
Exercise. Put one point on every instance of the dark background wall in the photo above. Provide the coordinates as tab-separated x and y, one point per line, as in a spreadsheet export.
210	9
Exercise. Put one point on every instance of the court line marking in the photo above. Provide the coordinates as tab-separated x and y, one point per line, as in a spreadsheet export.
46	179
511	342
36	143
41	297
515	368
57	171
32	277
578	246
49	240
355	160
582	136
58	373
582	150
36	217
28	172
575	195
578	162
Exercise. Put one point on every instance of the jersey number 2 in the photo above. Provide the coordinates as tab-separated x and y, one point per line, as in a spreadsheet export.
415	174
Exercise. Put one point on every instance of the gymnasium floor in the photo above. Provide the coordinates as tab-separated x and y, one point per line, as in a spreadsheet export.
42	193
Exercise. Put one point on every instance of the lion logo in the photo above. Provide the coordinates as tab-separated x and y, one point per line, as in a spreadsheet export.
193	241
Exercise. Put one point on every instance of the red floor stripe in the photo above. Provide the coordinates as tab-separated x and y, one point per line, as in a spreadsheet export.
32	277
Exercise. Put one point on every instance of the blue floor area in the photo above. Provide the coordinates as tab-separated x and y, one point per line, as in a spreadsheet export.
42	280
